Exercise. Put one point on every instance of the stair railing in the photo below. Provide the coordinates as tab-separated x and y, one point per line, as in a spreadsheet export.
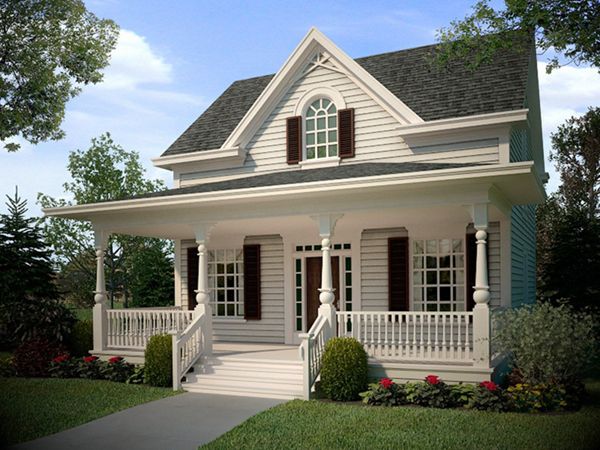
311	352
187	348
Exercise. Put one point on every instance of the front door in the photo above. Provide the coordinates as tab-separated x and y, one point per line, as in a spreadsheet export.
313	283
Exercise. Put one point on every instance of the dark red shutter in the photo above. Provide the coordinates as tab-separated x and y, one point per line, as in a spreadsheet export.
252	282
470	264
192	276
346	132
398	274
294	139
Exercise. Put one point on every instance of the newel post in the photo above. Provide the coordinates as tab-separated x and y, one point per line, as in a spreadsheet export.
203	307
100	323
481	294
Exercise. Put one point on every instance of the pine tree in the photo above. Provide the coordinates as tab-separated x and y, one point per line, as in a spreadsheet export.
25	266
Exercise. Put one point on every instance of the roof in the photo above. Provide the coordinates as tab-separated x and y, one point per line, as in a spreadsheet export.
345	171
432	93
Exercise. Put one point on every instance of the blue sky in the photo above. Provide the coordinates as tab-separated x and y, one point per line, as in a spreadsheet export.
175	57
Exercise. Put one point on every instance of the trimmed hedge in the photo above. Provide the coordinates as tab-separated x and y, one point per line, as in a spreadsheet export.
158	369
81	339
344	370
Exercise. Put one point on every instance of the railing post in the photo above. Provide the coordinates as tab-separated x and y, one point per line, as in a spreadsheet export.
100	323
175	360
305	350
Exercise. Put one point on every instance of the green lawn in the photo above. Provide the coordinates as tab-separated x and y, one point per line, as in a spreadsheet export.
318	425
35	407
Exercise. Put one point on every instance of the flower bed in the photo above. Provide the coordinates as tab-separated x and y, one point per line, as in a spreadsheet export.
485	396
91	367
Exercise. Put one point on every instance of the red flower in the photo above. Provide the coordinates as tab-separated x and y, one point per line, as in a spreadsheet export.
489	385
89	359
432	379
386	383
115	359
61	359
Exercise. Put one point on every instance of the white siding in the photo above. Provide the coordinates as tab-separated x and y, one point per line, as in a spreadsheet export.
374	266
271	326
376	134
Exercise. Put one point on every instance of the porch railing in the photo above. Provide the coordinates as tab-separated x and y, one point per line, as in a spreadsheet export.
411	336
311	352
132	328
188	347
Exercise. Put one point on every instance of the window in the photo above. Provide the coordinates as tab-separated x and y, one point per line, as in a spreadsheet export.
321	130
226	282
438	275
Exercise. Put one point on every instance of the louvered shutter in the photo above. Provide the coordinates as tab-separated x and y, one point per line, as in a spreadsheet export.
192	276
294	139
470	264
252	282
346	132
398	274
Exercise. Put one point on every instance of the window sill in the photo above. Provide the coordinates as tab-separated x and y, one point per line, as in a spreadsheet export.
320	162
228	320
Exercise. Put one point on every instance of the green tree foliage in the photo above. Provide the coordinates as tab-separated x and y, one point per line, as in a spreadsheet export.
48	49
568	244
25	265
107	172
571	28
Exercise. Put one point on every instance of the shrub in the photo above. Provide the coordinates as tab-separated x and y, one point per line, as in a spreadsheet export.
117	369
81	339
158	369
524	397
7	367
385	393
32	358
91	367
488	396
31	319
344	369
461	394
63	366
137	376
433	393
548	344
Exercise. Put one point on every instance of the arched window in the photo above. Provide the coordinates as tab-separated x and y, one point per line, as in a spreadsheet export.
321	130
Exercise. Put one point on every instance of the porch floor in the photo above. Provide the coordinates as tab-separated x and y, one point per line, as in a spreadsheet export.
272	352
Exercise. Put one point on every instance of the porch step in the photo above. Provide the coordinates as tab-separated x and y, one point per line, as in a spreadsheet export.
253	377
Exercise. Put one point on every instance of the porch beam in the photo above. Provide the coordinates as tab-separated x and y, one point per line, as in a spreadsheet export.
100	324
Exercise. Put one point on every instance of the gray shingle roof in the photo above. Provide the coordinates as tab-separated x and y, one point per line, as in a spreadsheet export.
430	92
345	171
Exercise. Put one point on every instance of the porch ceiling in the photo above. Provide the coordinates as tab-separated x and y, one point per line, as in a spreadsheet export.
443	191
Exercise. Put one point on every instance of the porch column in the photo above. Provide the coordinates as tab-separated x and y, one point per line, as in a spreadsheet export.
100	324
327	296
202	232
481	294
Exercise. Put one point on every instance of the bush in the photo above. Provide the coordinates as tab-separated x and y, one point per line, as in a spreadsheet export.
384	393
7	367
524	397
432	393
63	366
117	370
137	376
31	319
548	344
32	358
461	394
344	369
488	396
81	339
158	356
91	367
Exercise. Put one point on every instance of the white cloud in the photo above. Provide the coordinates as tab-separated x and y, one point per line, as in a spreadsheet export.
564	93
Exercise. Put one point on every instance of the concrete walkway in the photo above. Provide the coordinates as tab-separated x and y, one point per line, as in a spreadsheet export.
184	421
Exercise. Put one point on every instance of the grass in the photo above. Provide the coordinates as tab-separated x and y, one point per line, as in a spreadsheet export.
319	425
36	407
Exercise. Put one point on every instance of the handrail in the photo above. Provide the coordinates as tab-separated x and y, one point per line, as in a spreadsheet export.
187	348
311	352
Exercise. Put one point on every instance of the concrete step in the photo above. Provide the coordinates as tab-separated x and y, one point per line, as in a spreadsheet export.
236	373
227	389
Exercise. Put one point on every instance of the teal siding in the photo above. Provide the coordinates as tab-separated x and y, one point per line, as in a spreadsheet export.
520	148
523	255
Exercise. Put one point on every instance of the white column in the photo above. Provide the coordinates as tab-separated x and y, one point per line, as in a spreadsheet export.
481	294
99	311
202	232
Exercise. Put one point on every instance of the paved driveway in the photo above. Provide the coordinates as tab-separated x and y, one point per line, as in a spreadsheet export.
181	422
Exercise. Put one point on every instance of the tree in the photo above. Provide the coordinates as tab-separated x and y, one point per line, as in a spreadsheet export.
25	265
105	172
568	243
569	27
48	49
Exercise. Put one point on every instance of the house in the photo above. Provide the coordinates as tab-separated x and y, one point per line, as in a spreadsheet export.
380	198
